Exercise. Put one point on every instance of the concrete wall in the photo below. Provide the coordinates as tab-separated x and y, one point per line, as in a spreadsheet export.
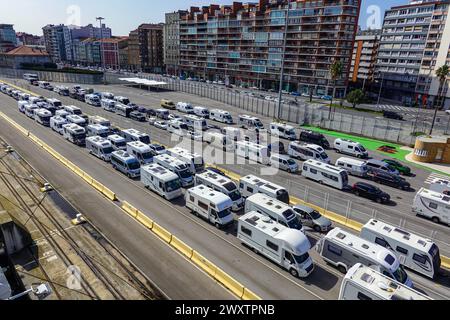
54	76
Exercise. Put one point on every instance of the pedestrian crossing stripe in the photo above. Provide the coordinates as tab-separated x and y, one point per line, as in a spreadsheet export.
433	176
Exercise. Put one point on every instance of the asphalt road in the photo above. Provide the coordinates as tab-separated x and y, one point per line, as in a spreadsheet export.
222	247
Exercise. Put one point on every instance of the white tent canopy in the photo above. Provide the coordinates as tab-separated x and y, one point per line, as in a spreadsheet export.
144	82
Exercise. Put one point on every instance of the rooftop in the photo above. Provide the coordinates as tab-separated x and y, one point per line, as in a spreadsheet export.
27	51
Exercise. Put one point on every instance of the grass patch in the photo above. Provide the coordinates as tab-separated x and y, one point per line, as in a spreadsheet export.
338	106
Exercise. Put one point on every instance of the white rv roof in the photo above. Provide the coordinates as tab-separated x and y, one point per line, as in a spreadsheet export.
217	179
274	205
123	155
140	146
221	200
108	101
220	111
176	163
351	161
184	152
399	234
72	107
74	127
43	112
434	196
193	117
382	285
53	100
251	144
254	180
246	116
282	125
323	165
160	172
98	127
116	138
75	117
348	141
102	142
440	181
59	119
135	132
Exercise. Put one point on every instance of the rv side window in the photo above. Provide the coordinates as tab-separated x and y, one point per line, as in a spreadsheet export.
288	256
191	198
246	231
250	189
381	242
433	205
241	185
272	246
402	250
362	296
313	171
419	258
203	206
334	250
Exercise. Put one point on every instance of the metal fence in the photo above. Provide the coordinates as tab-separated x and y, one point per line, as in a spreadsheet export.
54	76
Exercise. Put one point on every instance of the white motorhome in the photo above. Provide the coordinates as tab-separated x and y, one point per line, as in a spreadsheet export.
162	114
21	105
122	100
343	250
185	107
56	123
24	96
118	142
233	133
305	151
29	110
140	151
42	116
223	185
123	110
221	116
99	147
45	85
34	100
107	95
351	148
252	151
127	164
285	246
440	186
31	77
61	90
108	105
325	174
99	120
414	252
135	135
97	130
177	127
274	209
62	113
73	118
195	123
180	168
195	161
55	104
162	181
249	122
282	130
93	100
73	110
210	205
364	283
251	184
74	133
354	167
432	205
201	112
219	140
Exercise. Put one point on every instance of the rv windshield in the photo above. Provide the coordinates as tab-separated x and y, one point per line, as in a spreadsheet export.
146	155
145	139
434	251
302	258
344	176
292	162
77	112
172	185
224	213
134	165
400	275
324	156
362	149
107	150
290	132
283	196
235	195
79	135
121	144
184	174
258	124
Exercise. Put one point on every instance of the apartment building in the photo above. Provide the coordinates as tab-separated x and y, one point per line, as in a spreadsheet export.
244	43
414	43
133	51
8	40
172	41
55	42
111	50
26	39
146	48
365	53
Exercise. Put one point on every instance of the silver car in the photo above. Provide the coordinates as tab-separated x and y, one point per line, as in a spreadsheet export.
283	162
313	219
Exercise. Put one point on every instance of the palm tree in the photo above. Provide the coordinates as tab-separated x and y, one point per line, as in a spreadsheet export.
442	73
336	70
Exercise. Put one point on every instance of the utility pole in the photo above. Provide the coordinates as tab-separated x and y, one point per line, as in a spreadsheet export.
280	93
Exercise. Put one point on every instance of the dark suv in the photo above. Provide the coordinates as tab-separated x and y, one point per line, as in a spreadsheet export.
138	116
315	138
392	115
390	180
365	190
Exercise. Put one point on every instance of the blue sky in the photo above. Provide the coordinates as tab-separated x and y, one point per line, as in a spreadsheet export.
124	16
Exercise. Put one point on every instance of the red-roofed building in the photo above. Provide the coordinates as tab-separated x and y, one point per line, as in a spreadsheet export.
24	55
114	51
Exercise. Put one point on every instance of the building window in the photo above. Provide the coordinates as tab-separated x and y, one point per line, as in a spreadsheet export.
439	154
421	153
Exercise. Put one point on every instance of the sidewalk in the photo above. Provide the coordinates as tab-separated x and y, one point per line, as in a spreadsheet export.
436	167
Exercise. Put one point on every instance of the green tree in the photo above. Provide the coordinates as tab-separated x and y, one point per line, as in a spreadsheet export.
336	70
355	97
442	74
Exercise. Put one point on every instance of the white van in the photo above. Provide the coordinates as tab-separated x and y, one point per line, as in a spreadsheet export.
118	142
285	246
364	283
108	105
251	184
249	122
99	120
140	151
354	167
73	118
274	209
325	174
162	114
73	110
185	107
252	151
194	161
432	205
195	123
99	147
201	112
414	252
210	205
282	130
219	140
223	185
351	148
97	130
283	162
306	151
42	116
221	116
56	123
180	168
162	181
343	250
93	100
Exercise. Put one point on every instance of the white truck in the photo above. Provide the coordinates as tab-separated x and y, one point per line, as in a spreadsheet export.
99	120
162	181
118	142
286	247
432	205
99	147
93	100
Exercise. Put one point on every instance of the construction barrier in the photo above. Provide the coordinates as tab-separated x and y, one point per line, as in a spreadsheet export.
229	282
87	178
445	262
128	208
109	194
97	185
249	295
161	232
182	247
144	220
204	263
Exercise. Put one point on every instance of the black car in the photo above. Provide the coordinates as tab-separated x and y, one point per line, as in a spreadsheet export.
392	115
315	138
135	115
391	180
365	190
151	113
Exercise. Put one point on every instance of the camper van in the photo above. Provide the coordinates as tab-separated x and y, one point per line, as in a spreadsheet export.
31	77
250	185
162	181
99	120
233	133
177	127
185	107
97	130
135	135
62	113
34	100
56	123
42	116
74	133
219	140
126	163
93	100
195	123
283	162
221	116
194	161
180	168
21	105
162	114
122	100
364	283
73	110
343	250
352	166
274	209
252	151
45	85
24	96
118	142
211	205
99	147
201	112
325	174
285	246
29	110
374	165
223	185
168	104
107	95
432	205
305	151
414	252
72	118
282	130
249	122
351	148
440	186
140	151
108	105
55	104
123	110
62	91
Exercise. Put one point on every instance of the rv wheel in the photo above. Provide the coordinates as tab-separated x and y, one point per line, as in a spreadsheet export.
217	225
293	272
342	269
435	220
